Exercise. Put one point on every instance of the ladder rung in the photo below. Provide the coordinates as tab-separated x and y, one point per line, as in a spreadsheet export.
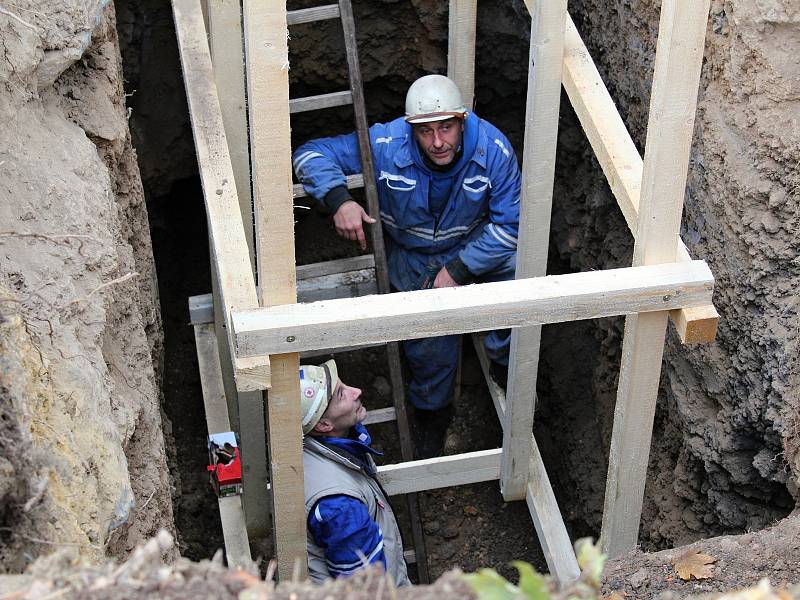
353	181
309	15
380	415
297	105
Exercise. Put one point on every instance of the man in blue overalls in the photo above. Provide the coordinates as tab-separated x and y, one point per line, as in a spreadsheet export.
449	192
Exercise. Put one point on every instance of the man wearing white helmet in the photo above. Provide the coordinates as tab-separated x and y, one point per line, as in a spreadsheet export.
449	189
350	522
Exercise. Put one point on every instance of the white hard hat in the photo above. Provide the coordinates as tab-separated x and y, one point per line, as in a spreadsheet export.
317	384
434	98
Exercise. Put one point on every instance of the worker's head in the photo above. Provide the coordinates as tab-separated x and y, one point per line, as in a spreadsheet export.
328	406
436	112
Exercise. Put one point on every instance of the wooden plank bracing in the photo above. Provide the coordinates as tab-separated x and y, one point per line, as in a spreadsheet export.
538	172
679	56
620	160
444	471
224	22
352	181
621	163
461	47
480	307
549	524
234	531
309	15
229	249
267	64
298	105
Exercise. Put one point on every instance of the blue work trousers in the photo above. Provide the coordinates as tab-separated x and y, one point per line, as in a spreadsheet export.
433	362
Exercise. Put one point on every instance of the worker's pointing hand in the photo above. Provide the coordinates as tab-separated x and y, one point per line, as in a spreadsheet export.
349	221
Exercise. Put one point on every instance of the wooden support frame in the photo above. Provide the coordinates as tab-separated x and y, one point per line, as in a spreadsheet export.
620	161
481	307
679	57
229	249
462	20
225	35
234	531
267	64
538	172
441	472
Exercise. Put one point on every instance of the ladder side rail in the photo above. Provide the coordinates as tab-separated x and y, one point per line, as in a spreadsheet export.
381	269
679	58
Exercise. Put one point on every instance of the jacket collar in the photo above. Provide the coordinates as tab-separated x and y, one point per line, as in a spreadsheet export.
345	450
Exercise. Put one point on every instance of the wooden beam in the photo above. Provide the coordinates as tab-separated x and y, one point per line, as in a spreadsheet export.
333	267
298	105
538	172
621	163
380	415
547	519
349	284
480	307
228	242
619	159
679	57
234	530
310	15
461	47
441	472
497	393
227	56
267	62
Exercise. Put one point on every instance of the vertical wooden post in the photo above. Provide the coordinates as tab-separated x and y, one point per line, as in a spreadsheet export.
224	22
679	57
461	47
267	60
538	168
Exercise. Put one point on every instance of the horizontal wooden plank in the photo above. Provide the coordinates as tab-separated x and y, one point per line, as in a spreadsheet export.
380	415
201	309
481	307
353	182
298	105
310	15
440	472
229	248
330	267
349	284
316	353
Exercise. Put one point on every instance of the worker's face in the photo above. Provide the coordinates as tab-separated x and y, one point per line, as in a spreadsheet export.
344	410
439	140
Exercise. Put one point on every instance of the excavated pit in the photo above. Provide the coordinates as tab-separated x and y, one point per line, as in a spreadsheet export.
725	433
724	457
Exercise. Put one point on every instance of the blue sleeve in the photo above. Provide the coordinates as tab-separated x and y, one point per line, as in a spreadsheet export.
498	241
350	538
322	164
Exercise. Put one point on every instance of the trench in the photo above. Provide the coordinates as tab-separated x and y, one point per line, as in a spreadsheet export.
470	526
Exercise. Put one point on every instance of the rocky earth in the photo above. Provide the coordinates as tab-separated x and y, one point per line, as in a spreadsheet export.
82	460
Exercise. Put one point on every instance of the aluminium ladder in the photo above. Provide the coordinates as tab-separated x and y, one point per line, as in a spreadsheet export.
355	96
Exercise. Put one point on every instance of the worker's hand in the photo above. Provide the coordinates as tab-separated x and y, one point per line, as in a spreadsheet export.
443	279
349	221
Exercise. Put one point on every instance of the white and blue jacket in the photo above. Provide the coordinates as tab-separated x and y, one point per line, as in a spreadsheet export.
478	224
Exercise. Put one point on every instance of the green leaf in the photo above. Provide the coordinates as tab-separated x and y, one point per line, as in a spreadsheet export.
531	584
489	585
590	560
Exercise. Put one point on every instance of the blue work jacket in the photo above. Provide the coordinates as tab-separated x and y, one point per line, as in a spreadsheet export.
479	221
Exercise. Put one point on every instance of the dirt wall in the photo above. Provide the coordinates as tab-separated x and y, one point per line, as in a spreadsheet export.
80	336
